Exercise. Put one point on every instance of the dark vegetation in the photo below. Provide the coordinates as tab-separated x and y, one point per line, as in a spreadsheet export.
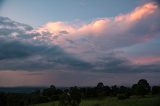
73	96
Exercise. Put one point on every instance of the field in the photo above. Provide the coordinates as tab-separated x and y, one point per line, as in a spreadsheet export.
133	101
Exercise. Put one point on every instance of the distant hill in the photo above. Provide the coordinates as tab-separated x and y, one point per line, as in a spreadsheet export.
20	89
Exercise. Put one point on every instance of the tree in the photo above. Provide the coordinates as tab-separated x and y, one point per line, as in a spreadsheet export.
100	91
3	99
52	87
65	99
155	90
49	92
70	97
75	96
145	85
114	90
123	93
100	85
141	88
125	90
107	90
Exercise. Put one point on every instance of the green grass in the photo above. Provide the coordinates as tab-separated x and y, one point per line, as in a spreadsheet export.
47	104
148	101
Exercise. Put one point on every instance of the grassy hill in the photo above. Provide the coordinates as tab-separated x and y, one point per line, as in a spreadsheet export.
133	101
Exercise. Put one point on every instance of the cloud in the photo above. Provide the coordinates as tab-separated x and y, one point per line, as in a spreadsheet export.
107	34
13	49
96	40
146	60
157	1
15	55
99	27
115	50
20	51
99	46
72	78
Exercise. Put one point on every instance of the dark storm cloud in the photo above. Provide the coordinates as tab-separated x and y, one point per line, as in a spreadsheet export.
157	1
35	58
13	49
10	24
21	52
114	64
16	55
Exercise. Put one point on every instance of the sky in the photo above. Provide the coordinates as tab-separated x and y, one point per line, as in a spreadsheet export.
39	12
79	42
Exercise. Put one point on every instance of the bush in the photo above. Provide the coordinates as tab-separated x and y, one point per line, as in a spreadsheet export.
155	90
122	96
97	104
70	97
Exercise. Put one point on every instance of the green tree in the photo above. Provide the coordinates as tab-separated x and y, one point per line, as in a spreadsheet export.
70	97
100	90
49	92
155	90
141	88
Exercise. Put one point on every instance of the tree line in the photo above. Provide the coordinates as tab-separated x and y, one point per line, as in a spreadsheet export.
72	96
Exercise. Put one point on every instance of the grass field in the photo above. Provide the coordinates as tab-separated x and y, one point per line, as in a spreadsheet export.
148	101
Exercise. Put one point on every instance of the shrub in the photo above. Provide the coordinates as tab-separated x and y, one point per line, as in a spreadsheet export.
155	90
96	104
122	96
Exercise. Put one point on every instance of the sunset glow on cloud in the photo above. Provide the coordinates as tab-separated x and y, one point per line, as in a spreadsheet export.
123	44
105	34
138	13
145	60
101	26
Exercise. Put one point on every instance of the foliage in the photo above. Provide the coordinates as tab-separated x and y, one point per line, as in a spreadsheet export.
141	88
155	90
74	95
122	96
70	97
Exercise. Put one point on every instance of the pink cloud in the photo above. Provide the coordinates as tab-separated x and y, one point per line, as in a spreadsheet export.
105	34
20	78
138	13
145	60
100	24
56	27
60	78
